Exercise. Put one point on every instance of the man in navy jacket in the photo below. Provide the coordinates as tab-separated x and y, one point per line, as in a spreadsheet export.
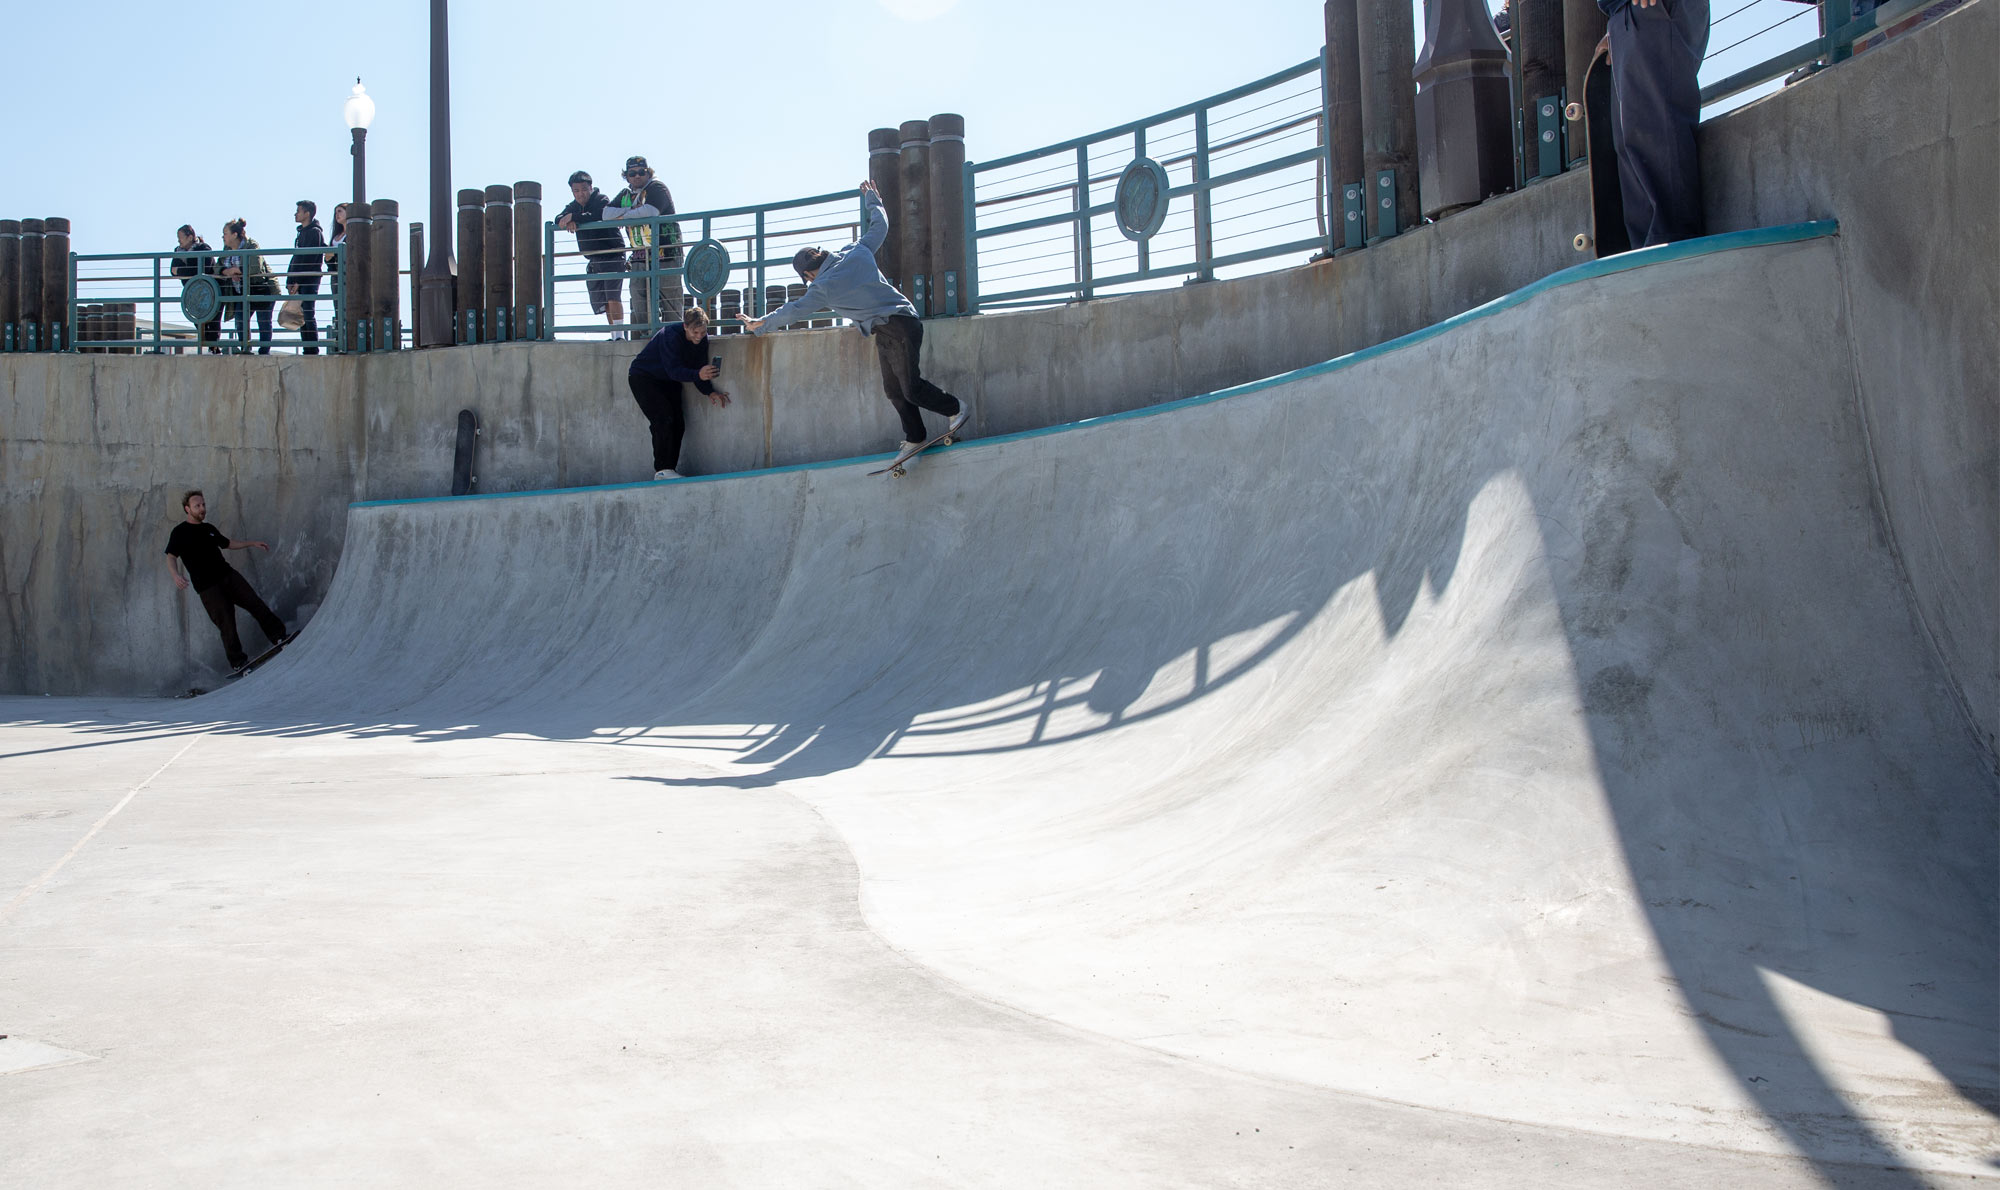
676	355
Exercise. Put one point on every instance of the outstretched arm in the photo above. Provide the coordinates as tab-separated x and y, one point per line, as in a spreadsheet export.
878	219
803	306
247	545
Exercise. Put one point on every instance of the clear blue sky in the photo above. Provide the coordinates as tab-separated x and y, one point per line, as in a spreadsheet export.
143	115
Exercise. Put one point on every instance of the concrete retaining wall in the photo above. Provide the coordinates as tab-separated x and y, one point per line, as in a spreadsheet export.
97	449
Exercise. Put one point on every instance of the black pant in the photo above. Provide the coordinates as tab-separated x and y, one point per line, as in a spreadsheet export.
898	343
1655	104
309	329
221	602
660	401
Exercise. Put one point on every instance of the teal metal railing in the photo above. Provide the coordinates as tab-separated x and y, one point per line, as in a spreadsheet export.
1793	38
1224	182
192	305
734	261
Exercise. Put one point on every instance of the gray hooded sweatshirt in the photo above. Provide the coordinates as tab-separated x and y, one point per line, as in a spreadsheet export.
850	283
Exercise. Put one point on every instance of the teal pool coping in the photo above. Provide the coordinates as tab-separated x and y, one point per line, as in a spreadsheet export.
1757	237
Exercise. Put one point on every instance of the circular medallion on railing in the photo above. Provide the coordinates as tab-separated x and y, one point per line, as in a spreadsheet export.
706	269
1140	205
201	299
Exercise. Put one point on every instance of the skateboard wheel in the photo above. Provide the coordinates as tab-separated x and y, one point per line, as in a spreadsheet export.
1573	111
1581	242
898	472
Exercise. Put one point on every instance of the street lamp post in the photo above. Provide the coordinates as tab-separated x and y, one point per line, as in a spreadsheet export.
359	111
435	316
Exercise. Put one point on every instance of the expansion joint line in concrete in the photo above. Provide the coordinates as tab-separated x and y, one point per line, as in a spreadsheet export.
21	897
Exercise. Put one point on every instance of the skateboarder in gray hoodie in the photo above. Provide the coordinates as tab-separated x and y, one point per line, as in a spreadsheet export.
850	283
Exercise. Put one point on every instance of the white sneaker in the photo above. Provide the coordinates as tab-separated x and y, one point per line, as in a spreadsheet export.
906	448
960	419
669	473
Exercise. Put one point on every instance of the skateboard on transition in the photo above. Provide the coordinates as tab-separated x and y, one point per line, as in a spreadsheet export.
463	478
1607	201
949	436
276	648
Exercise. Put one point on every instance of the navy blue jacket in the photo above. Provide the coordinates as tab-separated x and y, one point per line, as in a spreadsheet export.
669	356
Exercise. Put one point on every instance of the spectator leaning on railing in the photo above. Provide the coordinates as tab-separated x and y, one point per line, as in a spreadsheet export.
602	247
643	197
191	266
1656	49
247	271
303	276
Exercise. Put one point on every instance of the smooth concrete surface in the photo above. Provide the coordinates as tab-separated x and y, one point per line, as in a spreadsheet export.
1505	759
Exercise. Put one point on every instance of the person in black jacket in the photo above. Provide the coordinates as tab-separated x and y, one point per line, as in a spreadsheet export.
603	248
303	276
677	354
209	333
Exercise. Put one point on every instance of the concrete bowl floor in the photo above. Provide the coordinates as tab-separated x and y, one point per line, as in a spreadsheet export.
1506	759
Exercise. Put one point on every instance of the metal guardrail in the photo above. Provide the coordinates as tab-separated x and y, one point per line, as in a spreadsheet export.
1821	35
107	291
1240	178
728	259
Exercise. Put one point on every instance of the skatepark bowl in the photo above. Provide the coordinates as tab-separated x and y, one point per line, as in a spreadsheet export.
1502	757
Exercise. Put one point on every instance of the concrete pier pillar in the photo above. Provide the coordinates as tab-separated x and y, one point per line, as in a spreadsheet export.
416	285
10	284
1388	44
527	260
913	230
885	169
1542	68
1583	28
386	304
55	284
1343	84
359	306
948	247
1465	143
470	298
499	263
30	291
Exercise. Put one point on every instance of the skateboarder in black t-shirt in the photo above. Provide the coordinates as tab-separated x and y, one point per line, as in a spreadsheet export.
198	546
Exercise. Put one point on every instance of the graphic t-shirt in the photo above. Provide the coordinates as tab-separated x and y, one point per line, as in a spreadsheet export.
199	547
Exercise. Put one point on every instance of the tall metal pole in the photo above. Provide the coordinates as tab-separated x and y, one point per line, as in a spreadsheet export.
434	298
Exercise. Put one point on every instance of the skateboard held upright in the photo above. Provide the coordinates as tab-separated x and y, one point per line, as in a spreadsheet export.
463	478
1607	201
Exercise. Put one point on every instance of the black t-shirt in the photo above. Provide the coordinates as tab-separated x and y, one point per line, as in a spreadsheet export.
199	547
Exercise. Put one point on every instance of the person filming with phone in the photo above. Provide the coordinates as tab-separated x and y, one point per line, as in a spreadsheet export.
677	354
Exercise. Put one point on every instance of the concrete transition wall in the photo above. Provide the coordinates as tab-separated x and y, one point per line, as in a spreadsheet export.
1899	145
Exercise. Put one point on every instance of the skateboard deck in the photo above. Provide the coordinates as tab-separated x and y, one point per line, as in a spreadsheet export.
463	478
264	656
949	436
1607	201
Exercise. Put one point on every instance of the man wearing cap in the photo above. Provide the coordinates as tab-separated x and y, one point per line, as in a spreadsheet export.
602	247
850	284
643	197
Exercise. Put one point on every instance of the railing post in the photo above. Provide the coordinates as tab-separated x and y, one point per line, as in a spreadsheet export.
416	285
57	292
10	281
914	250
969	283
386	304
1085	272
548	327
1204	230
527	260
471	287
1340	69
360	277
947	175
757	309
499	261
1837	14
29	317
159	316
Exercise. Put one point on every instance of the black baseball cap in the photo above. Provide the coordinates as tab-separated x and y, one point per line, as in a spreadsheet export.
808	259
632	163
